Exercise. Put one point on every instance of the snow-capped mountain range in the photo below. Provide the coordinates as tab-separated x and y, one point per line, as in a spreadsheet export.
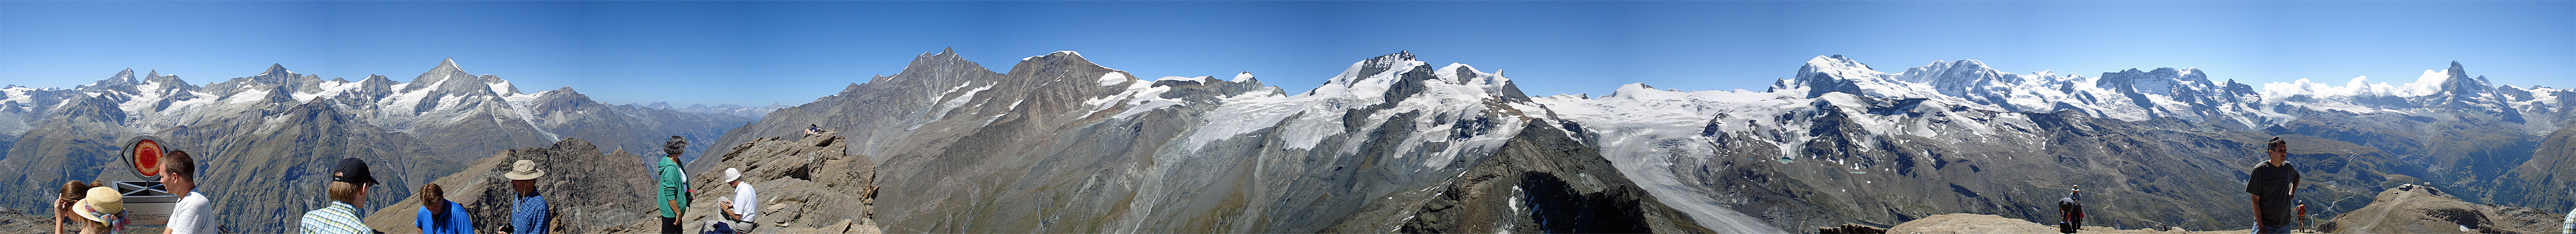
257	133
1392	144
1808	151
1837	112
729	109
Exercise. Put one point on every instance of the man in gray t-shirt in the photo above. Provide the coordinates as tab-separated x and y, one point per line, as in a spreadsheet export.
2274	184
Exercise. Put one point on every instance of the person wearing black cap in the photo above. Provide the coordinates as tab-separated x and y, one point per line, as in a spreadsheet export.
349	182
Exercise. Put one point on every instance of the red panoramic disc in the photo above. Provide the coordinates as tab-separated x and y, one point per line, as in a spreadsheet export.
147	158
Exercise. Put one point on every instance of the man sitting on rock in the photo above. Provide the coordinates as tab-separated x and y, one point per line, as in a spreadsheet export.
740	211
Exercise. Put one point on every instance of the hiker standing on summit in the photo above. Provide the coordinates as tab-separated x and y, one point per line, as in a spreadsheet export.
2274	184
531	215
673	196
2071	210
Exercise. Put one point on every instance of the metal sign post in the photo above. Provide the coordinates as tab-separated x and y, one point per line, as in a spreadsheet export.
146	202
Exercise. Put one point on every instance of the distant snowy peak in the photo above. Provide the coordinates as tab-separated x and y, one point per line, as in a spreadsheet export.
2161	81
1384	66
2130	95
725	109
1398	76
447	76
2450	87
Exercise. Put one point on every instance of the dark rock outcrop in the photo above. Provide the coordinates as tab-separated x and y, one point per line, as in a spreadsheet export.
1532	185
591	192
1990	224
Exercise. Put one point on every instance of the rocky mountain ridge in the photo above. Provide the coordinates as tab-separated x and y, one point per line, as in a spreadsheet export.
1808	152
1096	150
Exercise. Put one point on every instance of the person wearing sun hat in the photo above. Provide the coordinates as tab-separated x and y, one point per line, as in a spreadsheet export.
348	190
104	208
530	215
740	212
72	193
672	196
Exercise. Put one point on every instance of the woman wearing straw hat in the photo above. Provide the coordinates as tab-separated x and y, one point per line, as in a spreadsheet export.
102	211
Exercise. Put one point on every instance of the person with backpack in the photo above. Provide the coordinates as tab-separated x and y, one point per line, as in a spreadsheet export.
2274	184
2071	210
673	196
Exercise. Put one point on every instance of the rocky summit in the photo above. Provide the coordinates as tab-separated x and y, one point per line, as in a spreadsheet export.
807	184
2424	209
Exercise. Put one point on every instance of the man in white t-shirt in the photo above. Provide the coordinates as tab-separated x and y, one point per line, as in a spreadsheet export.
744	207
193	213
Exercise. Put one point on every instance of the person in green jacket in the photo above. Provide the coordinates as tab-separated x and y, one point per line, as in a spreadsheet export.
674	193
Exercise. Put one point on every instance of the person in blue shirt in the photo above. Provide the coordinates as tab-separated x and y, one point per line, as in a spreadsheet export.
530	215
439	216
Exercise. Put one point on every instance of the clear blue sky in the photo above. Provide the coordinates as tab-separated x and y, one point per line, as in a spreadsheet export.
792	52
